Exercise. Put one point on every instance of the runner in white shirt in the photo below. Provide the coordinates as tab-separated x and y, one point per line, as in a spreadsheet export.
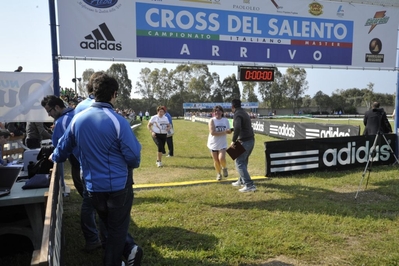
159	126
219	127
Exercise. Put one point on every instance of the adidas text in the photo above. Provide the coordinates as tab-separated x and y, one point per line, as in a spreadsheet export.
258	126
101	45
352	154
284	130
330	133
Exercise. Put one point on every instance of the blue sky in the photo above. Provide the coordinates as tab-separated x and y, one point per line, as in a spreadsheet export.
25	42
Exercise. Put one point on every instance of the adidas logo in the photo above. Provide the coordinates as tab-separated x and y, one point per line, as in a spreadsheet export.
101	39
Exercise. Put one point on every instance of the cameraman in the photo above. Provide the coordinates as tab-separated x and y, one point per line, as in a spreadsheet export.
376	121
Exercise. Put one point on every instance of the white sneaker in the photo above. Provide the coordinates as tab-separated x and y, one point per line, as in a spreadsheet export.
248	189
159	164
218	177
237	183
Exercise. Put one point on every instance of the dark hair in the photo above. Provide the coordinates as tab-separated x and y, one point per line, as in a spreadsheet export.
161	107
218	107
5	133
375	105
52	101
89	85
236	103
104	87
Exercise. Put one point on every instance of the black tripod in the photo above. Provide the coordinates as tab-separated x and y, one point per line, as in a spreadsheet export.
372	154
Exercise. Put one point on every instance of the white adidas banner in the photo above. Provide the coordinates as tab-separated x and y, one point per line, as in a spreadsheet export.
21	94
264	32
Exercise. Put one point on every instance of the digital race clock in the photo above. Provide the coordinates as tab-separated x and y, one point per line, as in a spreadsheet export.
256	73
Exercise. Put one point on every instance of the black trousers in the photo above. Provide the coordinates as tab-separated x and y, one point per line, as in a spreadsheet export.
169	142
75	172
33	143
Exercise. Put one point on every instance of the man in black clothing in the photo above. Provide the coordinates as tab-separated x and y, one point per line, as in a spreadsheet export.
376	121
244	133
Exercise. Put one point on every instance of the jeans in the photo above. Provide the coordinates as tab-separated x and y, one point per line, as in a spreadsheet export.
114	208
242	163
88	220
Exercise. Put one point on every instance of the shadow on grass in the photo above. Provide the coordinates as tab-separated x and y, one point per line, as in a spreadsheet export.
151	240
327	174
377	203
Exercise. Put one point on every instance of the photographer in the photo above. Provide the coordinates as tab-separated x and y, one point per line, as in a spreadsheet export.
376	121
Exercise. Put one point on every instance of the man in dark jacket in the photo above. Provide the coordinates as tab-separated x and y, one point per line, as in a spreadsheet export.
244	133
376	121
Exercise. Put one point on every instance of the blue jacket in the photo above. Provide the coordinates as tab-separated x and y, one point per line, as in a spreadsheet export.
169	118
107	147
86	103
61	124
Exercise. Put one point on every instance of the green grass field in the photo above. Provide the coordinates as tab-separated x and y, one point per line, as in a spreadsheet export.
306	219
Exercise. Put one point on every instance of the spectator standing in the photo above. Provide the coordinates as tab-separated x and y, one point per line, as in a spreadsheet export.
35	133
169	136
88	212
141	116
106	160
147	115
159	127
219	127
376	121
243	132
55	107
4	138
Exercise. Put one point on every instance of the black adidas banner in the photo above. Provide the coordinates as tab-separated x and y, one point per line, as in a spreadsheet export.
292	130
322	154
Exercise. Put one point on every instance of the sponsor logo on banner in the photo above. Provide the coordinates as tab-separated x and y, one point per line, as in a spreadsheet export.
283	131
352	154
101	3
305	159
100	6
101	38
258	126
378	19
311	133
328	154
315	9
246	7
20	96
375	47
309	159
340	12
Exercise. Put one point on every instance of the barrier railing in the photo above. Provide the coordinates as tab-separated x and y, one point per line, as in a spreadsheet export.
52	239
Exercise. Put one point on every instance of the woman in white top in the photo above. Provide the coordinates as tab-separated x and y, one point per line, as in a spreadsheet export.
159	127
219	127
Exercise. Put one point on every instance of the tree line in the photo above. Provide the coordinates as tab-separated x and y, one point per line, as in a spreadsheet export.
195	83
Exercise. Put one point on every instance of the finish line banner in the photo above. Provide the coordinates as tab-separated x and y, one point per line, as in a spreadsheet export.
292	130
265	32
330	154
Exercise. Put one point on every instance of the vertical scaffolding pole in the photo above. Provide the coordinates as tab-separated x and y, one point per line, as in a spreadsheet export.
54	47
